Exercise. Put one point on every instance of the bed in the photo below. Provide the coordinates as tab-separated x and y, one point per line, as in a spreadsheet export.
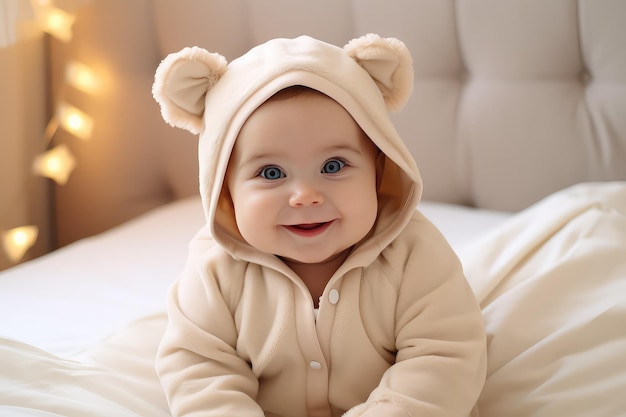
518	125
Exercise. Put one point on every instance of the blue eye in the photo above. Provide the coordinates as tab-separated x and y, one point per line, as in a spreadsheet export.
272	173
332	166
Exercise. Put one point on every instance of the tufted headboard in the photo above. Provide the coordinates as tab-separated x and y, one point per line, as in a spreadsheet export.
513	99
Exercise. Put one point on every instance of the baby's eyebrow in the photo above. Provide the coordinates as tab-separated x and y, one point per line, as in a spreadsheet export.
346	147
257	157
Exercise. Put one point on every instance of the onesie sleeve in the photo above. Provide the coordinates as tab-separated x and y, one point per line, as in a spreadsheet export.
197	363
440	364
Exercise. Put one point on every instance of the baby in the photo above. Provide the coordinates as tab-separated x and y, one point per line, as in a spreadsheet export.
316	287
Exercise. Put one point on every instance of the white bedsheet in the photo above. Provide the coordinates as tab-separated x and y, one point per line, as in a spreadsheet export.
551	281
70	299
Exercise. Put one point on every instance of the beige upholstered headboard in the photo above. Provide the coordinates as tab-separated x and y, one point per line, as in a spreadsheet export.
513	100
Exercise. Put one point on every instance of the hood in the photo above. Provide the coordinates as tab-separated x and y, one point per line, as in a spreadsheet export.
370	76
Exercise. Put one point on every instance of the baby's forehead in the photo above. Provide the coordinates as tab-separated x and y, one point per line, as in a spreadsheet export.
277	124
304	92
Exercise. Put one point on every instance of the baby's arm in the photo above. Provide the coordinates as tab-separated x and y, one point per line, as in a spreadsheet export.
440	364
197	362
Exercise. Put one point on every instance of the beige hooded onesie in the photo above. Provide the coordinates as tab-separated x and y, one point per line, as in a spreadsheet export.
399	332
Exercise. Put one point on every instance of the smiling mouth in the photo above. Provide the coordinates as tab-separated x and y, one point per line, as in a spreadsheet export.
308	229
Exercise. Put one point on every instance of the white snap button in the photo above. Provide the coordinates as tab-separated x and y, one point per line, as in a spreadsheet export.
315	365
333	296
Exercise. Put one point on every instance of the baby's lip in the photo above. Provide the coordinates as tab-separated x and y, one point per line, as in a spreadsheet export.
308	229
308	226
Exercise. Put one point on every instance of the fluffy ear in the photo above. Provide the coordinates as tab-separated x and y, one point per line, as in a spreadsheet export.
181	83
389	63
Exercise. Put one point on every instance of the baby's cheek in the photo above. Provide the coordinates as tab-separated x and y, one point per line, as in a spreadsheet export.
365	209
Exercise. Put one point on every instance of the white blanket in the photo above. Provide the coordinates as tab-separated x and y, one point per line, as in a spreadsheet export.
552	284
113	379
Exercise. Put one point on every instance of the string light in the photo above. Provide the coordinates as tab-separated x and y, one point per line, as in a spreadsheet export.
56	164
82	77
18	240
75	121
54	21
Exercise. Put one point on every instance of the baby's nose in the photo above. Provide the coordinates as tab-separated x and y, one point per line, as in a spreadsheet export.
305	194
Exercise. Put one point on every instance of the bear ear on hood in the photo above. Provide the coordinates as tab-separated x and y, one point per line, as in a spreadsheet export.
388	61
181	83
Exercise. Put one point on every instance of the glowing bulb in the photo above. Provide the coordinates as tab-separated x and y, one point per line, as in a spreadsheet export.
82	77
18	240
75	121
55	21
57	164
53	165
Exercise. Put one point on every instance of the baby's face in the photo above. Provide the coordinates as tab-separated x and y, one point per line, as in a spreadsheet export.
302	178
